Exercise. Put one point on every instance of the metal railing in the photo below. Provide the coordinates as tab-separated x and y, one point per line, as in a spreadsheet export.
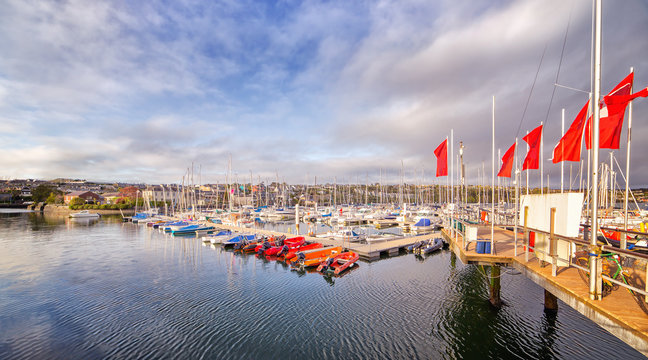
461	220
639	260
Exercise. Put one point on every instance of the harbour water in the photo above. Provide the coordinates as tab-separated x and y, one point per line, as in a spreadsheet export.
106	289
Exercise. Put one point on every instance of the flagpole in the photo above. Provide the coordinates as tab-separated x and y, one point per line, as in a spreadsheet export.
452	210
624	239
499	187
562	163
527	173
594	284
516	183
493	182
541	160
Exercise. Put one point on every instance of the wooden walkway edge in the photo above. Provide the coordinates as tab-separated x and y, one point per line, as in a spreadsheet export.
617	312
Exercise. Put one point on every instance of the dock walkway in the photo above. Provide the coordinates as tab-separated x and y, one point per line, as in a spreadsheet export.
369	252
618	312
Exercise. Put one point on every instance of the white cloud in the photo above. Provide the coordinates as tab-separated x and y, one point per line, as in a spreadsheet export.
140	90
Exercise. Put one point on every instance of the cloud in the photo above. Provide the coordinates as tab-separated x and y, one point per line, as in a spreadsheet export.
140	90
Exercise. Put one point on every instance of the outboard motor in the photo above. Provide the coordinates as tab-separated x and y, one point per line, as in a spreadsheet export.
284	250
265	246
241	244
327	263
300	258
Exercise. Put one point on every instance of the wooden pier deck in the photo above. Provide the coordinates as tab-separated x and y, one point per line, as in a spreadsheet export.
617	312
367	252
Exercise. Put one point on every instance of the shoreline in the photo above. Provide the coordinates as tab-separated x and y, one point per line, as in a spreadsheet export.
64	209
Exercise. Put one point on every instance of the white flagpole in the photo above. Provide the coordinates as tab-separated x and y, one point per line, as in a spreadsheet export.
541	159
594	285
493	183
452	210
624	239
516	183
562	163
527	173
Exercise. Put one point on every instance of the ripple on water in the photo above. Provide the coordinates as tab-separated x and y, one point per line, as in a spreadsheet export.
112	290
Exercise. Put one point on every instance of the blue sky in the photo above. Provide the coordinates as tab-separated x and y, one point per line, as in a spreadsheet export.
137	91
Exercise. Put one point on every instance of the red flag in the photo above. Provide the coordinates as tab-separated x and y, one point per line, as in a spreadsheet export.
532	160
441	153
624	99
611	120
507	162
569	146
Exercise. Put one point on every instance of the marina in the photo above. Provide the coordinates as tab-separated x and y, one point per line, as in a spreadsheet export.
324	180
110	289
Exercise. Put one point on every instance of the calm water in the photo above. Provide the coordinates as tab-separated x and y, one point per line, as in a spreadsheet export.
103	289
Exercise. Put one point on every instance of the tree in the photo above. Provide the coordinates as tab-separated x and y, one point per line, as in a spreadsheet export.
77	201
51	199
54	198
41	192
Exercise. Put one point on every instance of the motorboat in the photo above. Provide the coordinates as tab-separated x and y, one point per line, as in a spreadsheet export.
430	247
84	214
338	263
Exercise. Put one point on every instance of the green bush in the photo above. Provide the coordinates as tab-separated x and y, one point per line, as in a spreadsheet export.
51	199
77	202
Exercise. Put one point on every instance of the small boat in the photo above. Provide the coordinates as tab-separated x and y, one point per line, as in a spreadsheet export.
430	247
233	240
84	214
422	226
174	225
250	246
291	243
314	257
208	238
338	263
415	246
192	229
348	235
288	253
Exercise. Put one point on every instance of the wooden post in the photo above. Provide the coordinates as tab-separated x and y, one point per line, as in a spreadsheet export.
553	243
551	301
526	234
495	286
453	260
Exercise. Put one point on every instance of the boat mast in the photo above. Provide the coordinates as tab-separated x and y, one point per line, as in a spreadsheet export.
229	180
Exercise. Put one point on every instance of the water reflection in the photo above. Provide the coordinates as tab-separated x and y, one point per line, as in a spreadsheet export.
114	290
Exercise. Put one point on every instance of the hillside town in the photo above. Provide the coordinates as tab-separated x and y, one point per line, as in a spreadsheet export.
63	192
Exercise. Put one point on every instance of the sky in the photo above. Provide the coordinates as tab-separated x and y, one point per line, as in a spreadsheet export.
301	91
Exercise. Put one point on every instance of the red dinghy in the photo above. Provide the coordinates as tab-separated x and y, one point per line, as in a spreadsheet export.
338	263
273	248
288	253
292	243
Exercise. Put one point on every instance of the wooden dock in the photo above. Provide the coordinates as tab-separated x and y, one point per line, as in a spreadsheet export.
367	252
617	312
